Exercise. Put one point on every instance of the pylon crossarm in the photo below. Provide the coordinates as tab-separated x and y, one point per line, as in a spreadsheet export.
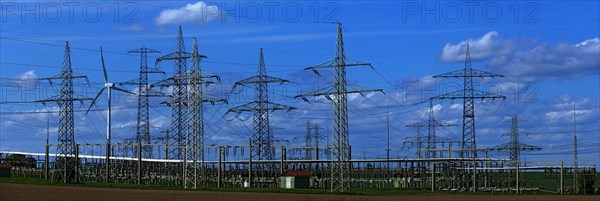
255	105
60	77
174	56
477	94
528	147
472	73
259	79
332	64
143	50
56	98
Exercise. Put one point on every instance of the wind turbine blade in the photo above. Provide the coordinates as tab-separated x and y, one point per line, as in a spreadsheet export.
123	90
94	101
103	67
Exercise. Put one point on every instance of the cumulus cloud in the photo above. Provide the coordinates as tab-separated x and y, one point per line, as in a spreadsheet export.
26	80
555	61
522	60
197	13
487	46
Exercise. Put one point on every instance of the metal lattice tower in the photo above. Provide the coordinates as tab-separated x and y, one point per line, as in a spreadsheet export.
194	167
515	147
468	94
143	118
261	106
178	98
430	140
340	177
308	141
65	162
311	138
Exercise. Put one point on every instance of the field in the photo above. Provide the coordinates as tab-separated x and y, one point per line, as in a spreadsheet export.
26	192
20	188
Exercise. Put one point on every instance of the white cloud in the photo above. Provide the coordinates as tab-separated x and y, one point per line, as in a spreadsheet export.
562	60
525	61
565	115
197	13
26	80
487	46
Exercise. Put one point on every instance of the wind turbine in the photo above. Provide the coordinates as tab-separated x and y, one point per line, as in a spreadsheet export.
110	87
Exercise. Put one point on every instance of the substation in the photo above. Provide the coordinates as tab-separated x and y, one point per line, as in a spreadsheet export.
181	158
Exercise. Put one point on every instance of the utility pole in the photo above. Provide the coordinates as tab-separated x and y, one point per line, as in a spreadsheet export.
47	155
340	175
387	150
575	162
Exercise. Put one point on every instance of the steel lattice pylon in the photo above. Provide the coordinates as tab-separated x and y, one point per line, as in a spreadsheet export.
432	139
515	147
178	98
261	139
468	94
143	118
194	168
65	161
340	177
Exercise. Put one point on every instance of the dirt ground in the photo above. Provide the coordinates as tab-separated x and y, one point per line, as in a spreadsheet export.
66	193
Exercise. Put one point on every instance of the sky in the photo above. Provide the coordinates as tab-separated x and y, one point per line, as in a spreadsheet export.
548	52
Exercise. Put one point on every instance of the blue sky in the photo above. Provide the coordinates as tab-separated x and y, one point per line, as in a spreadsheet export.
549	52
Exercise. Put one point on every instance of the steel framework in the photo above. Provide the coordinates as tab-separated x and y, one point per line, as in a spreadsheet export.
432	139
261	139
65	163
194	167
468	94
515	147
340	177
143	92
178	83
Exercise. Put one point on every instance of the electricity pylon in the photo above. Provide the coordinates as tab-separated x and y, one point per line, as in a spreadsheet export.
178	97
311	138
468	94
261	139
65	161
340	177
515	147
143	92
110	86
194	166
432	139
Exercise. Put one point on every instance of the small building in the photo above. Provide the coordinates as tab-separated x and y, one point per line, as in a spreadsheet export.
295	179
5	169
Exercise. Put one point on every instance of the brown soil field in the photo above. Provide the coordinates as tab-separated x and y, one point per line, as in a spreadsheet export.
66	193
